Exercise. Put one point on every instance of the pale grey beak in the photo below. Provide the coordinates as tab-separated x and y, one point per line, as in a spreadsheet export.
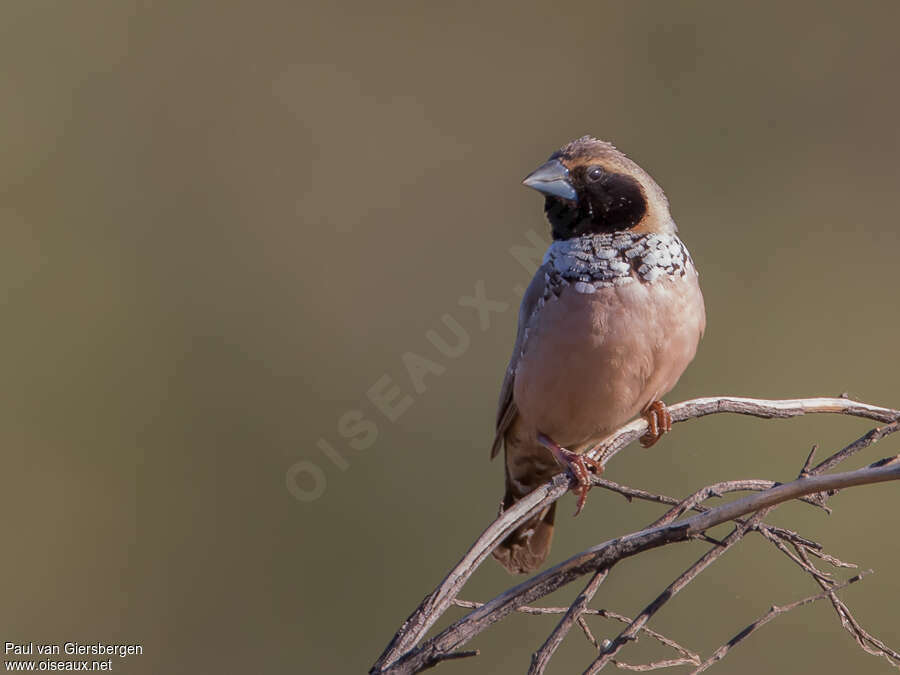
552	178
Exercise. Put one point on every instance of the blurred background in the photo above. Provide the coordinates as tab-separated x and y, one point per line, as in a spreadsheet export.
229	227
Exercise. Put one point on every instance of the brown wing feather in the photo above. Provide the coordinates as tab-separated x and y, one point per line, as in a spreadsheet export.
506	409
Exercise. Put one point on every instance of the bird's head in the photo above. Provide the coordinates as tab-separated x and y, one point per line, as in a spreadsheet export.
592	188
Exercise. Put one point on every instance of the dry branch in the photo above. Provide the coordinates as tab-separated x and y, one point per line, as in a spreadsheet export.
773	612
604	613
403	656
606	655
540	659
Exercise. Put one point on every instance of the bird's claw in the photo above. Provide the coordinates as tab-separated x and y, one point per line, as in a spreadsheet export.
579	466
659	422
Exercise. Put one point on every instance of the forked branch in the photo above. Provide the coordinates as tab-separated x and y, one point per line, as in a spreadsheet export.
404	656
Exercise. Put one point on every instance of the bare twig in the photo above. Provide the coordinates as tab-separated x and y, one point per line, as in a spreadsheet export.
806	566
867	642
436	603
587	632
807	465
794	538
715	490
776	535
607	554
401	654
453	656
860	443
656	665
541	658
775	611
755	522
607	654
688	655
783	409
830	559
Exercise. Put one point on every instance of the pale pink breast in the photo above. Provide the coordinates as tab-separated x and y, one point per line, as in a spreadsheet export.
593	361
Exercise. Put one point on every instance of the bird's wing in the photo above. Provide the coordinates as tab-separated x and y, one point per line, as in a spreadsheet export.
506	409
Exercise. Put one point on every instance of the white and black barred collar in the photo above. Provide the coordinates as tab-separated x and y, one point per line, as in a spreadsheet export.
597	260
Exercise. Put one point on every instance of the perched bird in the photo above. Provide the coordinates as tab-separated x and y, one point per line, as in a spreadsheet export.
610	321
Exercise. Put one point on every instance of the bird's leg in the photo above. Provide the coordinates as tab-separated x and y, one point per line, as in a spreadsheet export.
659	421
578	465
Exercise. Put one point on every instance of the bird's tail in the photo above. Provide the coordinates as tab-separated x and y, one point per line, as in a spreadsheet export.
527	547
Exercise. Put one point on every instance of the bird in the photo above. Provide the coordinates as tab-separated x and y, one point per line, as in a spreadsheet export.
610	321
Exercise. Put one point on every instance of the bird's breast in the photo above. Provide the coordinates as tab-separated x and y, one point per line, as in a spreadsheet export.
596	355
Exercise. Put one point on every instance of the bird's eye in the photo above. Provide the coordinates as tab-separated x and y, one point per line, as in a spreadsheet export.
595	173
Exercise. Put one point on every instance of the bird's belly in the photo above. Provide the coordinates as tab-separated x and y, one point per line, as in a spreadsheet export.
593	361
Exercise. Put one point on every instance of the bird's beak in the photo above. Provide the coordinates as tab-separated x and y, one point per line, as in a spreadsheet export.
552	178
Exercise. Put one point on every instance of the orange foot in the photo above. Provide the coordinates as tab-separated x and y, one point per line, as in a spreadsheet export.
659	421
578	465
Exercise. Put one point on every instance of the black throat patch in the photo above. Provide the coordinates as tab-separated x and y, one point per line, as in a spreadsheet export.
614	203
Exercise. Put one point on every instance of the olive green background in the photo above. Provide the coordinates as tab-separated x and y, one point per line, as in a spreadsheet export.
224	222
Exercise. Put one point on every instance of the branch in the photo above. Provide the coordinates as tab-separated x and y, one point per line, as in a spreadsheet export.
775	611
755	523
541	658
687	655
606	655
783	409
867	642
435	604
607	554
